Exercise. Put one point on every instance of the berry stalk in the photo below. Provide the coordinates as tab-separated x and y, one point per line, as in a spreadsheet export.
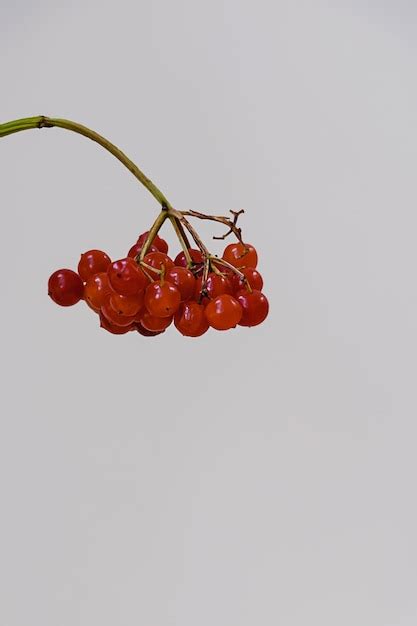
182	238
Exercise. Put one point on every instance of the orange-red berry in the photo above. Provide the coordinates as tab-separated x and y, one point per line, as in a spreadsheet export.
115	317
137	248
190	319
159	243
126	305
158	261
215	286
145	332
241	255
196	257
184	281
162	299
93	262
126	277
112	328
153	323
96	289
253	278
255	307
223	312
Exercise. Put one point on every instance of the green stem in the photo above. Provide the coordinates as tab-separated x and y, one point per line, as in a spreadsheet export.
182	238
152	233
47	122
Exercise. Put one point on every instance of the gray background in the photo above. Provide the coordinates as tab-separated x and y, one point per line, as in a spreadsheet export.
262	476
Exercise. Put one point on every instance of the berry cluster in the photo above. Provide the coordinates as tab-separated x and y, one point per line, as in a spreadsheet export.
147	291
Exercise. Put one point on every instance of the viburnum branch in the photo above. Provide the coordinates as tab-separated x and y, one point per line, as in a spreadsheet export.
130	294
41	121
226	221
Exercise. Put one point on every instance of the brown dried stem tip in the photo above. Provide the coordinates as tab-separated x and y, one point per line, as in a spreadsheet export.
221	219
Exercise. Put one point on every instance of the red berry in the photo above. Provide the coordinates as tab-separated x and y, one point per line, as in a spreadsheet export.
216	285
183	279
255	307
158	260
136	249
153	323
162	299
126	277
195	255
96	289
159	243
223	312
126	305
112	328
190	319
252	276
93	262
145	332
240	255
114	317
65	287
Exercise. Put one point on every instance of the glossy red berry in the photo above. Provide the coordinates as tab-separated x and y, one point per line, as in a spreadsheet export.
126	277
136	249
114	317
145	332
93	262
216	285
241	255
112	328
158	260
126	305
190	319
159	243
65	287
223	312
96	290
255	307
153	323
253	277
162	299
184	281
195	255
